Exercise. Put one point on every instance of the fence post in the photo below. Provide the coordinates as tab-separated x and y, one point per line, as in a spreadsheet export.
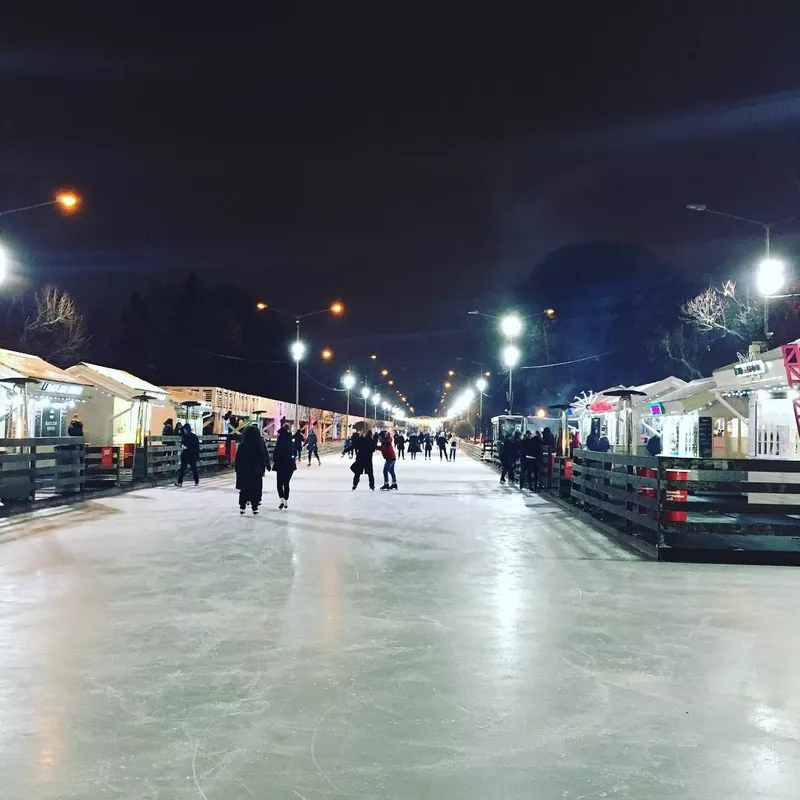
629	488
659	505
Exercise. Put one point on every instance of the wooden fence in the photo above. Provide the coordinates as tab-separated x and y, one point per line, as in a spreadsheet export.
32	467
748	504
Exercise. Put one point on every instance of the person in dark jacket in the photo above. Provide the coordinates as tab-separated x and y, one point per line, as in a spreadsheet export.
549	440
169	428
654	445
453	448
298	439
593	442
509	456
252	460
365	447
190	454
413	446
428	445
400	444
526	460
75	427
604	445
441	441
284	464
312	447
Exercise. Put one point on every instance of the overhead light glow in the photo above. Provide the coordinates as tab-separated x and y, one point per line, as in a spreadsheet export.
511	325
298	350
327	354
771	276
510	354
365	392
349	381
337	307
481	384
261	306
68	202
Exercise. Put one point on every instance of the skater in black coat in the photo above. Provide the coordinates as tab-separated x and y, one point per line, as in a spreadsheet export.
365	447
252	460
284	464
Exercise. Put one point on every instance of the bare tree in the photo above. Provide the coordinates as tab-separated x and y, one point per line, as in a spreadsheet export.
719	312
683	344
57	331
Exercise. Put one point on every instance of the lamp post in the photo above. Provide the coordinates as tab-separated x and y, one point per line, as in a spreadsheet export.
298	348
376	399
365	393
770	276
348	381
481	385
510	355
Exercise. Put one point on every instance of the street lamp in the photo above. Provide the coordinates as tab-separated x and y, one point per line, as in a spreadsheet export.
376	399
348	381
365	393
336	309
298	350
770	274
511	325
68	202
481	385
510	355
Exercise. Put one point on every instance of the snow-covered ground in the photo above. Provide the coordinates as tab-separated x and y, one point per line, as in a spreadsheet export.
452	640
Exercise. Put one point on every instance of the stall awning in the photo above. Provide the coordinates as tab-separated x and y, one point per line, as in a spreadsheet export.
51	379
117	382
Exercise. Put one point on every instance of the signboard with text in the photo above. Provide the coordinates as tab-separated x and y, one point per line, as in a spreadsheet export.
747	368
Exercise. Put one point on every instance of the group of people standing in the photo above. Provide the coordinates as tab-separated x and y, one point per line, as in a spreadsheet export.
526	451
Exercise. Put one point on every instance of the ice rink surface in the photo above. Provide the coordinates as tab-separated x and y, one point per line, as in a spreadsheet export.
452	640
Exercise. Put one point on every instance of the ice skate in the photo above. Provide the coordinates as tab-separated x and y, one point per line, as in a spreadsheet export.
393	486
385	487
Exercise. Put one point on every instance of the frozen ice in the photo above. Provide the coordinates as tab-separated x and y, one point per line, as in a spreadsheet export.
452	640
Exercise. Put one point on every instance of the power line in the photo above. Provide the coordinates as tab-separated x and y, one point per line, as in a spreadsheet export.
579	360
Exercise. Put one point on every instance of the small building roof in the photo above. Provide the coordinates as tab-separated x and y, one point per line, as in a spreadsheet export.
116	381
24	365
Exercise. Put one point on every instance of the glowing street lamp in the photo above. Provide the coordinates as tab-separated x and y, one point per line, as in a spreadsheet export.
376	399
511	325
327	354
510	355
69	202
348	381
365	393
336	308
770	276
298	350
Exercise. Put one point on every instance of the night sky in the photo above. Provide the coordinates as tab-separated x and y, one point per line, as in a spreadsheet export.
413	163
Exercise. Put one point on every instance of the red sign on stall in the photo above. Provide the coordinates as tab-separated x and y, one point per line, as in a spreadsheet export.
106	457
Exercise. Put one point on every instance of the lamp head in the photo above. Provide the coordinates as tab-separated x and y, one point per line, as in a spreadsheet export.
771	276
298	350
511	325
510	355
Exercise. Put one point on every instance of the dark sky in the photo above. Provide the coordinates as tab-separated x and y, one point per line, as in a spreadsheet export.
413	162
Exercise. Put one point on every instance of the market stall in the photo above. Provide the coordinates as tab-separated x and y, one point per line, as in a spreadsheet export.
619	409
694	421
37	399
760	380
120	408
